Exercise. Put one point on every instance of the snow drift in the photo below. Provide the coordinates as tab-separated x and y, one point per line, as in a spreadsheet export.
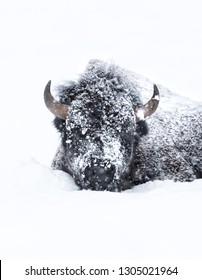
44	216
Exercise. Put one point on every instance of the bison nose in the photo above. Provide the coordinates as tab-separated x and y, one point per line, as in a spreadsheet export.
99	174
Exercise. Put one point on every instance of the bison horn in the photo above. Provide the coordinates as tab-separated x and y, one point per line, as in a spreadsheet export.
149	108
58	109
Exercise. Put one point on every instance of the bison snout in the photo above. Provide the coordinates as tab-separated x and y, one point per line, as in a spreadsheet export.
99	174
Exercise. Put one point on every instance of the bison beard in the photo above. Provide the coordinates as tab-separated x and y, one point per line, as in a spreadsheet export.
105	144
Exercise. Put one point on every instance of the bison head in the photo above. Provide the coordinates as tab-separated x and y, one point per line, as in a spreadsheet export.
101	119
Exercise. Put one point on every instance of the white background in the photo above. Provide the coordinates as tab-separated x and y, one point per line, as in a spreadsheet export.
42	40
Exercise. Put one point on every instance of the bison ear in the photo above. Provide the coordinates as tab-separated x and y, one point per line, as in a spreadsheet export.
58	109
149	108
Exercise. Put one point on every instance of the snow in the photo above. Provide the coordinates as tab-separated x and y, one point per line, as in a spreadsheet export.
42	213
44	216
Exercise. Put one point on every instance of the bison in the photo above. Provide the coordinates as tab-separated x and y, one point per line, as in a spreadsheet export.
112	136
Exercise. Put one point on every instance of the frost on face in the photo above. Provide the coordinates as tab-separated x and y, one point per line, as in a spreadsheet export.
100	131
100	137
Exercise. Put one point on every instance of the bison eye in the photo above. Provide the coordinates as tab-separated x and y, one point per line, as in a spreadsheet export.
127	136
96	139
76	134
142	128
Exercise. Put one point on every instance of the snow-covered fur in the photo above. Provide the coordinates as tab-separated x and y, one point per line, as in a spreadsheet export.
104	148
